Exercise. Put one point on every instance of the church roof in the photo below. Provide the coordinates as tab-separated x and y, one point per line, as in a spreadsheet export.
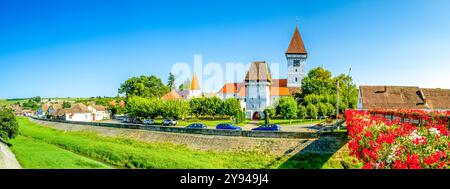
194	83
296	46
258	72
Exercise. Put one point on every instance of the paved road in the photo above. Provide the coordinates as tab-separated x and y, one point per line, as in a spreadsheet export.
7	158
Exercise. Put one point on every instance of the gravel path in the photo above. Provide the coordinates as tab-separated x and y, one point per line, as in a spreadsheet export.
7	158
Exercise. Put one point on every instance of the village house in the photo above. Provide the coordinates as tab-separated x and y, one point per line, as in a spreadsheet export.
403	97
82	113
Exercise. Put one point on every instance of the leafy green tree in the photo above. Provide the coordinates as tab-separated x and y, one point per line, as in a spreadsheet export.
318	81
171	81
322	109
144	86
214	106
288	108
301	112
176	109
312	111
269	113
9	128
185	85
231	106
66	105
197	107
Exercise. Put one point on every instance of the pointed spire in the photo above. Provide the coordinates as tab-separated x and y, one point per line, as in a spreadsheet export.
296	46
194	83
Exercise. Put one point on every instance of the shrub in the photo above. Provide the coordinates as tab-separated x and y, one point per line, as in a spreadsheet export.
9	127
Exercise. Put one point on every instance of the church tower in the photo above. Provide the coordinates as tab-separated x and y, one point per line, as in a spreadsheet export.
296	61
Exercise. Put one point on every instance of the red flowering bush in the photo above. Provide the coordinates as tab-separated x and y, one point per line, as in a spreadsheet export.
406	139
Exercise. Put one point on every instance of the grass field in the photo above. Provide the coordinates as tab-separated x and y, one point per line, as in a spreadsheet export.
43	147
129	153
34	154
6	102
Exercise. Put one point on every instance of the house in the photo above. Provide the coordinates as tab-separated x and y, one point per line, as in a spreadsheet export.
82	113
43	110
78	112
259	90
403	97
99	112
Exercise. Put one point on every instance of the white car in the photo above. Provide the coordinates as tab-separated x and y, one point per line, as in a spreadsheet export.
170	122
149	121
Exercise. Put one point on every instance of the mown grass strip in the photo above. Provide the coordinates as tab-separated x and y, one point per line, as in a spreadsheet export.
33	154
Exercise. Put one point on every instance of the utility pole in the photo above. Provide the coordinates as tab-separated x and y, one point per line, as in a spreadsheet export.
337	105
348	87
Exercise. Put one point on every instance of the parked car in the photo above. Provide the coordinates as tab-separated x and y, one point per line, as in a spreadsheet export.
126	119
149	121
137	121
196	126
228	126
272	127
170	122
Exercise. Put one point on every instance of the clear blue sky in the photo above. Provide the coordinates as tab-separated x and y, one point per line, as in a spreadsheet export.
83	48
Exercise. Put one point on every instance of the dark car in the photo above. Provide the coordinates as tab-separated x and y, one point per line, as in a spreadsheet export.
196	126
228	126
272	127
137	121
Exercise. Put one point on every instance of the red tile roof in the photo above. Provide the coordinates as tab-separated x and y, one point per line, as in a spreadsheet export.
230	88
171	95
296	46
279	83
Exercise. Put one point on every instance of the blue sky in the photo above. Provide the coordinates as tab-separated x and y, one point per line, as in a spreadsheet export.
87	48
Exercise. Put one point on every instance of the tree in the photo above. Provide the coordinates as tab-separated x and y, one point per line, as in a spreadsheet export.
288	108
144	86
231	106
318	81
322	109
301	111
312	111
186	85
174	109
171	81
213	106
66	105
9	128
197	106
268	113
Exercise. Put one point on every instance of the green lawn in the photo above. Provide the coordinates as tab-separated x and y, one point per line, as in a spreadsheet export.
127	153
34	154
295	122
43	147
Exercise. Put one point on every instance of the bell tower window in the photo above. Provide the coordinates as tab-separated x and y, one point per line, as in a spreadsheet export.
296	63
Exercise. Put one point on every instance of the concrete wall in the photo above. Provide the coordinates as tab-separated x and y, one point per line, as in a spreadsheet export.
259	134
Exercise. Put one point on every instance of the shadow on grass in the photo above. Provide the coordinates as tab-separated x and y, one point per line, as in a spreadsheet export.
316	154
